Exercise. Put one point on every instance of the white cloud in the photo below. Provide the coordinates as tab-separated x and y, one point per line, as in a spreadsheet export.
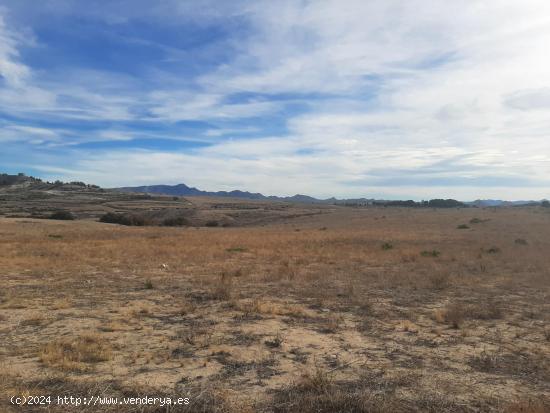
11	69
430	92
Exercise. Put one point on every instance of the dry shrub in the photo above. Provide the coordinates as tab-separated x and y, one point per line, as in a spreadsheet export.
266	307
409	257
365	305
276	342
485	362
318	392
13	302
526	365
139	310
34	320
484	310
287	270
528	406
223	289
318	381
111	327
75	354
438	281
408	326
186	308
330	324
62	304
455	313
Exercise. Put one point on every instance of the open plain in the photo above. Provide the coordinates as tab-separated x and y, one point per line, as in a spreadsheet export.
338	310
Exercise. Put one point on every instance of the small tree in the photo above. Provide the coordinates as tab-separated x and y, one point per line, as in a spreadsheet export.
545	204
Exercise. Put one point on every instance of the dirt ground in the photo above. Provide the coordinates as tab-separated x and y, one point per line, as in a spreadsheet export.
349	310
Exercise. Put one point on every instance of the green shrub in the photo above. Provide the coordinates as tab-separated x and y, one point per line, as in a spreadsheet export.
387	246
478	221
123	219
62	215
433	253
462	226
236	249
212	223
175	222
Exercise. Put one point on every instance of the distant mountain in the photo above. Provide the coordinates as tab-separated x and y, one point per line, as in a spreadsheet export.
297	198
184	190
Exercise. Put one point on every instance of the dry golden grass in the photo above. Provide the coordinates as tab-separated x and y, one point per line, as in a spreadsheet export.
286	317
75	354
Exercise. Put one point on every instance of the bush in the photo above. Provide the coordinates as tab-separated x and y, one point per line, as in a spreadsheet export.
62	215
123	219
212	223
236	249
462	226
387	246
175	222
545	204
456	313
223	290
433	253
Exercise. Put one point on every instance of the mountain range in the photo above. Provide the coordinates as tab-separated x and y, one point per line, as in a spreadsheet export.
7	180
184	190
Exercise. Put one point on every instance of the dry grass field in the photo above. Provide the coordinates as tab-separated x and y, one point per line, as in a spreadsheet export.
352	310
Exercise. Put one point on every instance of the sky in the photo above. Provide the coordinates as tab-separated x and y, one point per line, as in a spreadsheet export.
389	99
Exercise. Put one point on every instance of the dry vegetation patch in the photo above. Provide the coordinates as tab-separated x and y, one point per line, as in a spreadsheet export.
382	310
75	354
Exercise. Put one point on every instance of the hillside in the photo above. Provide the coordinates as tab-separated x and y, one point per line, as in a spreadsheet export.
27	197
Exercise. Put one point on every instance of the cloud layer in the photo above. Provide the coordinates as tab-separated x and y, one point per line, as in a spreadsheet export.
390	99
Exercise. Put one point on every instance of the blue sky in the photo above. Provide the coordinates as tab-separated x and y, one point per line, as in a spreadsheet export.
391	99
